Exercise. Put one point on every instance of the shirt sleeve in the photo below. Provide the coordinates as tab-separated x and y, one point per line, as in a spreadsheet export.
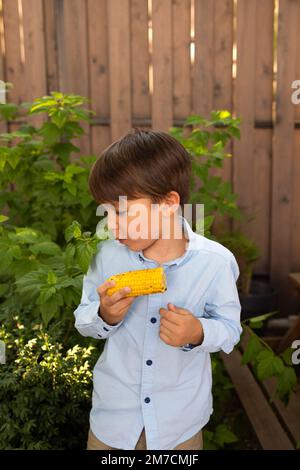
87	319
221	319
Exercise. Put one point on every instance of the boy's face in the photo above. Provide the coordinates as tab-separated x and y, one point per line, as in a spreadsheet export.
137	223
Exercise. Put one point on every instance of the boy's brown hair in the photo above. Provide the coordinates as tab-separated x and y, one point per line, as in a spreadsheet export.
141	163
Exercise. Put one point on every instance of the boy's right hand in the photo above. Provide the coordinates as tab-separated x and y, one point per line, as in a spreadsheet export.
113	308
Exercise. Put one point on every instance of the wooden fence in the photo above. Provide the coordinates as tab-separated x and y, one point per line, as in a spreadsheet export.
153	62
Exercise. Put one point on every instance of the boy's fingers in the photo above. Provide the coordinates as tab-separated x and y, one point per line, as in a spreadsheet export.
169	315
103	288
171	326
120	294
178	310
122	304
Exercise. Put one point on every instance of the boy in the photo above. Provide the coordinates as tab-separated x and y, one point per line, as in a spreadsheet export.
152	382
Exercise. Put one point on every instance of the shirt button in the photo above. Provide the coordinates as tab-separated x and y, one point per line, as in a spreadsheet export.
153	320
149	362
147	400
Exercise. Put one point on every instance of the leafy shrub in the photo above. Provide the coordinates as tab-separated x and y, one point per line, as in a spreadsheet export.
206	141
45	391
41	186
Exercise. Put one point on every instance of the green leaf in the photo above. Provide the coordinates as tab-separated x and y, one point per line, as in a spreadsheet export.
73	231
224	435
45	294
50	133
84	254
51	308
46	248
268	365
253	348
287	381
51	278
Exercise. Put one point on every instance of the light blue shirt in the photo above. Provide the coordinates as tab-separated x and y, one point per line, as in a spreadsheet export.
140	381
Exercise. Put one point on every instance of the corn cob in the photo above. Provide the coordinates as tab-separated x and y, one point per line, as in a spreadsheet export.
141	282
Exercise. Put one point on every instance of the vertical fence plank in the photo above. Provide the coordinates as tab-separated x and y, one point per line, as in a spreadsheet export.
140	61
263	137
35	56
119	67
162	109
99	71
295	220
50	16
3	124
222	82
73	54
14	59
243	168
203	67
283	144
295	217
182	79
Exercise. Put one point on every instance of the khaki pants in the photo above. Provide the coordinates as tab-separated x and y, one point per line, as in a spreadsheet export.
193	443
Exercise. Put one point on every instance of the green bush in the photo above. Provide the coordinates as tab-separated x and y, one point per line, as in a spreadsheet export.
45	391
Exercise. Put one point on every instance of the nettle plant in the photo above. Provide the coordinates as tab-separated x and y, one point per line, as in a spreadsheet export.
206	141
41	186
44	251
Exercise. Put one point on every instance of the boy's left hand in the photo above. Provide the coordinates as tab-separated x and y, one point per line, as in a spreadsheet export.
178	326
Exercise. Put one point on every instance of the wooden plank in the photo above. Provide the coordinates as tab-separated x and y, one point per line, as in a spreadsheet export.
283	144
222	55
290	413
203	67
266	425
295	278
223	83
35	54
182	79
50	18
73	55
162	109
295	209
119	67
3	124
291	335
262	156
261	201
99	71
14	51
139	48
243	168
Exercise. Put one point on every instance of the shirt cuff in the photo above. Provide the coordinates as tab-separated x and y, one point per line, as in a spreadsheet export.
189	346
106	328
89	323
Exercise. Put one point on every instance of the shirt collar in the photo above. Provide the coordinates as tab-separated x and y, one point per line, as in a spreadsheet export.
191	245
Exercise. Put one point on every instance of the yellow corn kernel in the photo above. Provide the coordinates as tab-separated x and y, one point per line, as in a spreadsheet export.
141	282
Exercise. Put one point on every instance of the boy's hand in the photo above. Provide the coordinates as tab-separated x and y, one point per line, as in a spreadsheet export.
113	308
179	326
